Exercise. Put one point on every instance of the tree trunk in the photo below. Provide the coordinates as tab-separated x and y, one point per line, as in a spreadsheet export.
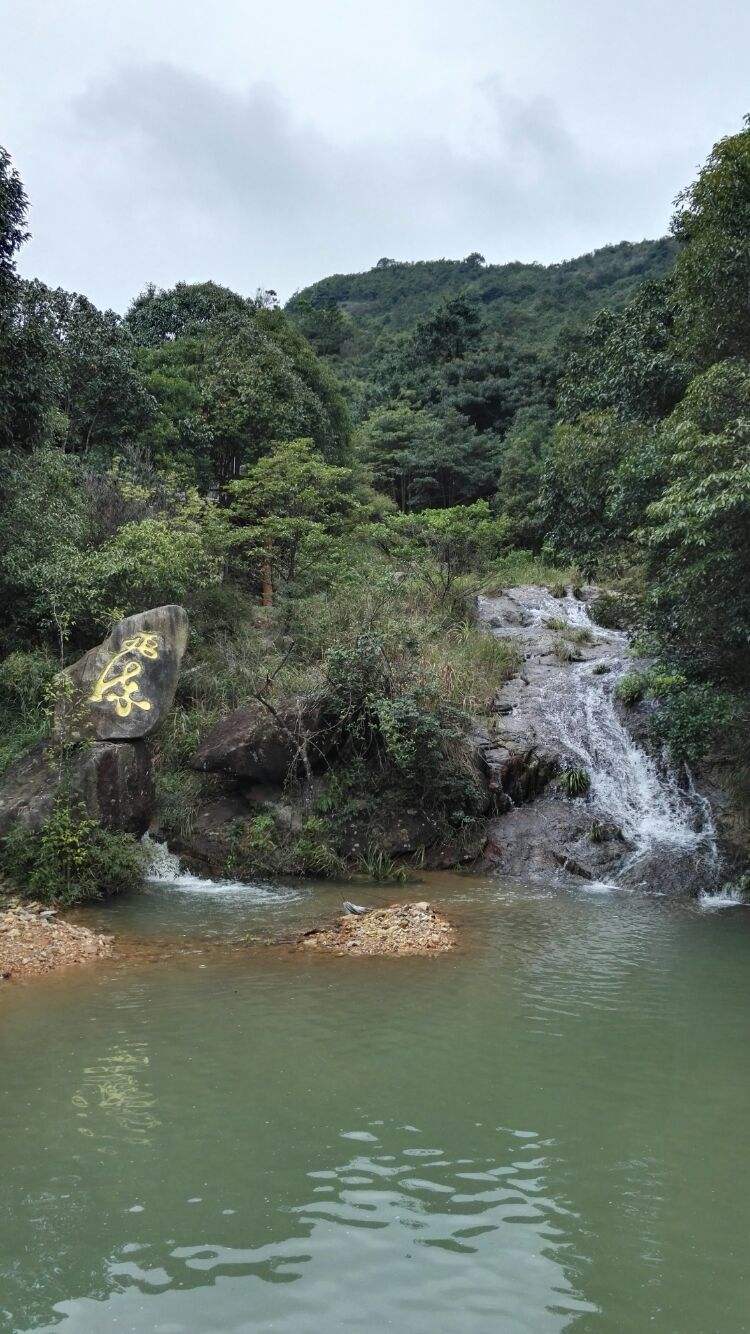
267	593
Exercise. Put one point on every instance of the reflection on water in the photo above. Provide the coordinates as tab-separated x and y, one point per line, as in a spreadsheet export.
113	1103
538	1133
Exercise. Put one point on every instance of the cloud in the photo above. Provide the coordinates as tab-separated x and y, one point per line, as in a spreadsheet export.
167	175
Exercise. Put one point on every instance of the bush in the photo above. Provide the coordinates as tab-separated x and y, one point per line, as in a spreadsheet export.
631	688
24	680
24	687
71	860
692	716
610	612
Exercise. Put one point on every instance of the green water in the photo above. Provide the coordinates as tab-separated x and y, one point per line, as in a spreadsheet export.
546	1131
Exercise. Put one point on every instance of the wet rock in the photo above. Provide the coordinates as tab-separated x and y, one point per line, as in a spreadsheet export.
262	747
121	690
112	780
551	837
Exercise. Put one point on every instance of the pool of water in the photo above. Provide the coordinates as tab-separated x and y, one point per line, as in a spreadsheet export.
543	1131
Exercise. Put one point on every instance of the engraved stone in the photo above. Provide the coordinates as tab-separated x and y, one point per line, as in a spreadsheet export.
122	689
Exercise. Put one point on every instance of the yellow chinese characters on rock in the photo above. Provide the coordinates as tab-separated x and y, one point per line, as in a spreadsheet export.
119	683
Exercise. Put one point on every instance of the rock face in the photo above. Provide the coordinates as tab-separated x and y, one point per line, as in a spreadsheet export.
113	780
121	690
254	744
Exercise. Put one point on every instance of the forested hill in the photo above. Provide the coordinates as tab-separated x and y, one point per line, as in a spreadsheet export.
530	303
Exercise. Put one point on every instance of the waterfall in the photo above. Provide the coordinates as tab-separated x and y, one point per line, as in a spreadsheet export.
164	869
666	823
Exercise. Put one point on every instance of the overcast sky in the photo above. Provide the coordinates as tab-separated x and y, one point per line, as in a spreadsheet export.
271	143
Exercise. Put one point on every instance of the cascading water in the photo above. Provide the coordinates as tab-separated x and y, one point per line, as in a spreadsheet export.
666	823
164	869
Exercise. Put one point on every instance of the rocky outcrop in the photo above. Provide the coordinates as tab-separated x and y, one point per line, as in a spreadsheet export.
112	780
267	747
121	690
553	838
108	703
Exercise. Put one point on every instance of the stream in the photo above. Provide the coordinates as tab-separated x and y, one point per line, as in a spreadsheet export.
543	1131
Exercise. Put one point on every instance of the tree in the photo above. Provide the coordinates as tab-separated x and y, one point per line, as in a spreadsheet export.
13	209
454	464
187	309
231	378
519	476
289	498
391	442
446	334
443	544
696	534
579	468
323	323
627	361
712	273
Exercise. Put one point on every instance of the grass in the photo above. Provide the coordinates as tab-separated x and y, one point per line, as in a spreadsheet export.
377	864
468	666
574	781
564	651
521	567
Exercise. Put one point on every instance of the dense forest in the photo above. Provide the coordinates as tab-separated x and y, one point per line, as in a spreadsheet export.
325	487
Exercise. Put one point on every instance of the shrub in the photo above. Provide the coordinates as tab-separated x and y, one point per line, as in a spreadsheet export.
72	859
609	611
24	680
312	853
631	688
692	716
377	864
178	794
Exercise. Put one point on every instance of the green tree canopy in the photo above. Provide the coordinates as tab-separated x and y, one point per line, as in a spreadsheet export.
712	272
287	500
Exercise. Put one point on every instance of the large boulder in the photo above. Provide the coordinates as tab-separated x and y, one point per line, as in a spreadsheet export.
266	747
112	780
121	690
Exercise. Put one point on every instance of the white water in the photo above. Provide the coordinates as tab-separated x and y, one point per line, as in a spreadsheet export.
661	815
723	898
654	804
164	869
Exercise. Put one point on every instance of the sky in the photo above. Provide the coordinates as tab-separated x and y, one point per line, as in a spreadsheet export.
271	144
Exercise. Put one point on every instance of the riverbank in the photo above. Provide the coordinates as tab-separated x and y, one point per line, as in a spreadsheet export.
34	941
